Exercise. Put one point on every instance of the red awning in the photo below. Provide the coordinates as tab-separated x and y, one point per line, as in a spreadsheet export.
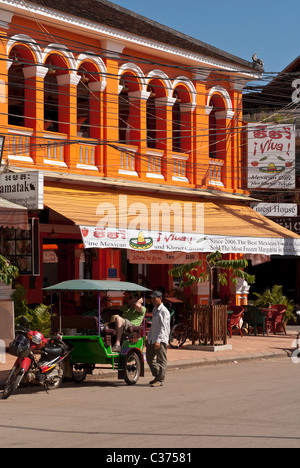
12	215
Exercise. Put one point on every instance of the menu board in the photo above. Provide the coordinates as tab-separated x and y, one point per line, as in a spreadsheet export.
21	248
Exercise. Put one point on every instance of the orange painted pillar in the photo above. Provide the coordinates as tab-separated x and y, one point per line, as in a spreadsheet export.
200	161
112	156
34	110
237	128
5	20
164	134
187	141
67	88
96	121
224	145
138	132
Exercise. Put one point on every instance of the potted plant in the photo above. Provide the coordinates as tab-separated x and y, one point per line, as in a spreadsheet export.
232	269
8	272
275	296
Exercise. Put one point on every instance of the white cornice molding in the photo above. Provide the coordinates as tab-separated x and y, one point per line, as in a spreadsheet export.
6	17
35	72
114	34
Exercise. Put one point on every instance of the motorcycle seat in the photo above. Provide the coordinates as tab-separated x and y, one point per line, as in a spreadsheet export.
53	350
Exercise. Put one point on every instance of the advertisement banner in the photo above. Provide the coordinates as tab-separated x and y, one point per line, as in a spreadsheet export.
105	237
155	257
271	156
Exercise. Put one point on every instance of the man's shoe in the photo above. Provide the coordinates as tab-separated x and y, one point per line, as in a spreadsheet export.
116	349
152	382
157	384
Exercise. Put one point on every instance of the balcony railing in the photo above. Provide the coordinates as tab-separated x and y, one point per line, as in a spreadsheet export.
87	156
128	160
17	144
216	172
54	144
155	164
179	167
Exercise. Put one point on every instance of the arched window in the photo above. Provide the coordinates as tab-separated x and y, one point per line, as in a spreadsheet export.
177	124
124	112
83	104
20	95
16	89
51	95
217	127
129	108
212	131
151	119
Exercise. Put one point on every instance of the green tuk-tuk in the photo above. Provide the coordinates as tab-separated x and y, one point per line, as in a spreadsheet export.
91	338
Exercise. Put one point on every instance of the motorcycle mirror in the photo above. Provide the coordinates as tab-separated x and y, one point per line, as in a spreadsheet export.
23	321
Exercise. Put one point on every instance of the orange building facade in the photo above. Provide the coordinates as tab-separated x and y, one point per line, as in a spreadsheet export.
93	106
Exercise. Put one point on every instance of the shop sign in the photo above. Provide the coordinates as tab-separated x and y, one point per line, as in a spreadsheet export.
271	156
161	258
104	238
293	224
24	189
274	210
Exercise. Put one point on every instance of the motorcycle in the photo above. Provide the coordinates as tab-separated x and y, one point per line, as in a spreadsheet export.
48	371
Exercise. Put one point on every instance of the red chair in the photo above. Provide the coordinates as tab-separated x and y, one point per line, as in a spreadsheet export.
275	316
235	318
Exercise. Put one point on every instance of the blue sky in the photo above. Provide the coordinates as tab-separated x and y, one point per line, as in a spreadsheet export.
268	27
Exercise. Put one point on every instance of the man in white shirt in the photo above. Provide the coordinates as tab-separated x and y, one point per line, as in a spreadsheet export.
157	340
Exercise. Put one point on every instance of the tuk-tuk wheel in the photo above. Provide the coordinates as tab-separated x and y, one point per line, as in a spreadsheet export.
132	369
79	375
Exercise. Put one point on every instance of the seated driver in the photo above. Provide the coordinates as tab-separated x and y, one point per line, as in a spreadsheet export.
133	316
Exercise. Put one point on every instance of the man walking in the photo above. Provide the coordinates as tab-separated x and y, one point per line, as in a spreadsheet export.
158	339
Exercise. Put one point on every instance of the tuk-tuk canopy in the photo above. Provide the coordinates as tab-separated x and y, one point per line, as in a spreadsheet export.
97	285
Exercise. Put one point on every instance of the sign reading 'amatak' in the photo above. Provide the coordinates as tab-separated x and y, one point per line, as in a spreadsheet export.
24	189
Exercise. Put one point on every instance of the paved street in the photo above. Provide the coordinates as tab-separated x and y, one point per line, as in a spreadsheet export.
251	404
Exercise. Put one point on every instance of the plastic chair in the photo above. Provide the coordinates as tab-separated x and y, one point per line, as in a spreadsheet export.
255	318
235	318
275	317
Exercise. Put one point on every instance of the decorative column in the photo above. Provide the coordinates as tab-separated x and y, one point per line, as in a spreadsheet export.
5	21
164	133
112	156
138	133
200	162
187	118
224	145
96	120
34	109
236	95
67	116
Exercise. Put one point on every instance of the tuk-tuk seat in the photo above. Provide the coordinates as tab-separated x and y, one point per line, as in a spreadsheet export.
109	331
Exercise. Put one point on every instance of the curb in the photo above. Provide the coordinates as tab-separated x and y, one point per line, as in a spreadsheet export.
203	362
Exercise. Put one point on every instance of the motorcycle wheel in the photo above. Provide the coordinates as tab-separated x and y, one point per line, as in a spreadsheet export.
178	335
13	382
55	378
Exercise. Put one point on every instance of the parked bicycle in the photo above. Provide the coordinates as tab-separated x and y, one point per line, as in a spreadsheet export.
180	332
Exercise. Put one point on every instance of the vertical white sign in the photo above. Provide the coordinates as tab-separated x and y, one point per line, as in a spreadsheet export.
271	156
2	352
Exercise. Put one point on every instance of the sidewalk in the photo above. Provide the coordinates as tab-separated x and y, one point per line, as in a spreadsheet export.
246	348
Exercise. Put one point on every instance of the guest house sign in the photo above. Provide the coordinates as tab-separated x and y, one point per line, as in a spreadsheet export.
271	156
